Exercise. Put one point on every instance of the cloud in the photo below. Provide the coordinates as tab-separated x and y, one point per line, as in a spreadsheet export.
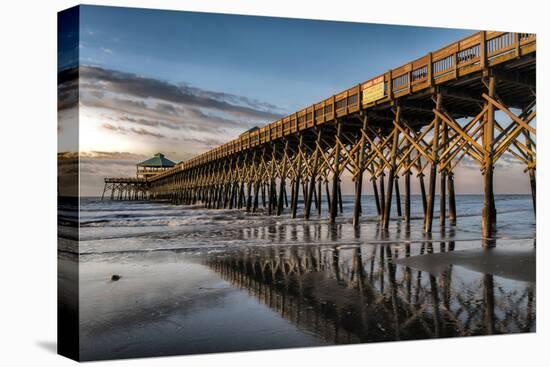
149	114
112	155
129	104
137	131
128	84
145	122
67	89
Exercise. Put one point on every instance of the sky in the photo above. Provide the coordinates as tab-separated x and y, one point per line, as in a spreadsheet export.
182	83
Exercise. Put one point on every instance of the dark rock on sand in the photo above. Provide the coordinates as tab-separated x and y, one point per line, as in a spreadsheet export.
115	277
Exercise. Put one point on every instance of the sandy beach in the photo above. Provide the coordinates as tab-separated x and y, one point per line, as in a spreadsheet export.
189	281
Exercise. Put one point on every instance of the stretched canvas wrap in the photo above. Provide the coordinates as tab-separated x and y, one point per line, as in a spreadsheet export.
233	183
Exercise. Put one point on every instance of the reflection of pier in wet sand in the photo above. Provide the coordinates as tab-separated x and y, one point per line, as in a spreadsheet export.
368	293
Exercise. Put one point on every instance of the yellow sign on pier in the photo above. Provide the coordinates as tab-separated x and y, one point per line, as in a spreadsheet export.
373	90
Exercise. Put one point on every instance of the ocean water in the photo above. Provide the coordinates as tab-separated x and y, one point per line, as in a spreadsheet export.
195	280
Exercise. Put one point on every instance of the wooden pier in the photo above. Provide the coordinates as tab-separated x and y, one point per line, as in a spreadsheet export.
136	188
416	121
126	188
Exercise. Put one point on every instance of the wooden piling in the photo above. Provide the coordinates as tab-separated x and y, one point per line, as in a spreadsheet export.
392	173
443	180
408	193
329	201
488	219
382	196
376	196
336	173
433	169
296	187
104	189
423	194
312	178
340	201
452	199
319	197
398	197
360	171
282	181
532	175
272	189
256	192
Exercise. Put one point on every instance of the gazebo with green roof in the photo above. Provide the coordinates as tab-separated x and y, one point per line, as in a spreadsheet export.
153	166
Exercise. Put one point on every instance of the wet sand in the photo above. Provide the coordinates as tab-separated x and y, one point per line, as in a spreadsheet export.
203	281
265	297
165	304
508	263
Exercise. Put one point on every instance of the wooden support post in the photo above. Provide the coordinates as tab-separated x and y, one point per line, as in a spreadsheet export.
292	189
340	201
219	196
382	196
391	175
433	170
250	180
423	194
408	197
398	197
443	180
104	189
533	182
282	181
232	195
274	197
256	190
532	175
225	194
488	220
361	169
408	189
319	197
452	200
329	202
304	189
298	177
376	197
336	173
314	195
272	189
241	195
249	196
375	191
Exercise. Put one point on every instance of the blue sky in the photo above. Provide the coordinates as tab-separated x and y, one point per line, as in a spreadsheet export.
182	83
288	62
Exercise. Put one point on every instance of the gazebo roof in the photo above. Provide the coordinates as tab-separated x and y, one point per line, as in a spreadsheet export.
158	160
